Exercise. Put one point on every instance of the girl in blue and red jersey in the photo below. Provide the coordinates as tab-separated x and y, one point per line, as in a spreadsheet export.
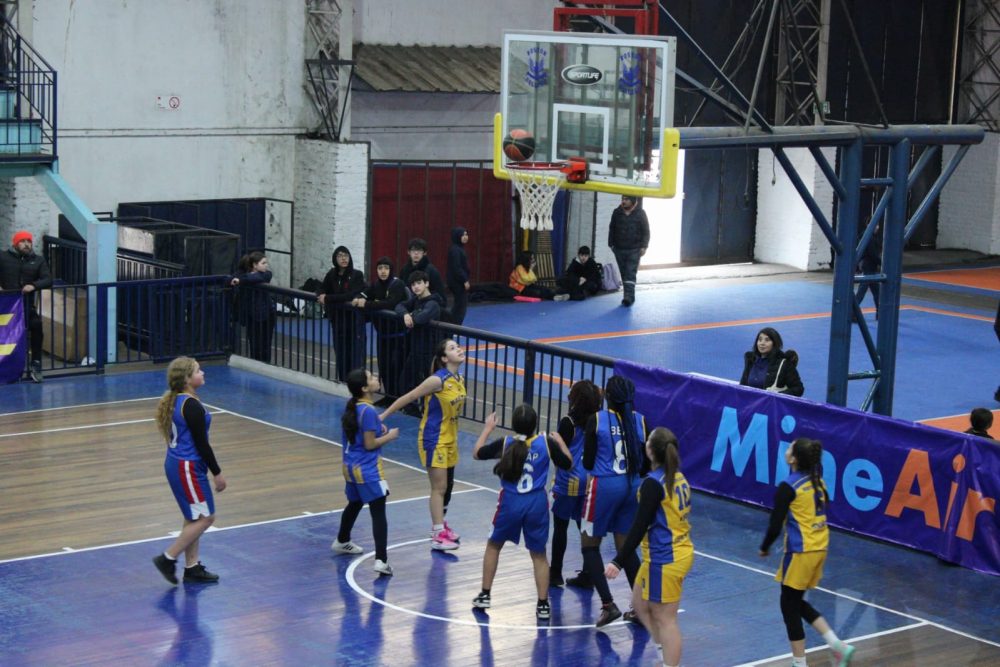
800	506
184	424
614	456
661	527
363	436
522	506
585	399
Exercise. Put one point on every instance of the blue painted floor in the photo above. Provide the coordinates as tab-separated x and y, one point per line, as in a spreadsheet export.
284	599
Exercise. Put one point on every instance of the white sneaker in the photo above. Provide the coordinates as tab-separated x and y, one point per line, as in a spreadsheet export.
346	548
561	297
382	568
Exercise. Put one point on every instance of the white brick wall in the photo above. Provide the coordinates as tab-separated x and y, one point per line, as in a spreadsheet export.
968	210
331	205
786	231
24	204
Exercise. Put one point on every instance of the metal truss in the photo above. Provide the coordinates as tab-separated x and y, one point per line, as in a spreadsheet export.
800	81
329	75
979	88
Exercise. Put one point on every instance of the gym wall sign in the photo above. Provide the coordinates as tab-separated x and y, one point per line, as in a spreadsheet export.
582	75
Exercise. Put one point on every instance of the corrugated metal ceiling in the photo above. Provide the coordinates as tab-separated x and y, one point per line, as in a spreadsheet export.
428	69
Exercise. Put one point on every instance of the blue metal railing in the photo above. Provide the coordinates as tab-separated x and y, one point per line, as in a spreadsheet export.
29	114
68	261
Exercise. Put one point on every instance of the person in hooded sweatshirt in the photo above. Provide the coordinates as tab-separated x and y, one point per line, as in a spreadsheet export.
457	274
341	285
423	307
419	261
379	302
767	366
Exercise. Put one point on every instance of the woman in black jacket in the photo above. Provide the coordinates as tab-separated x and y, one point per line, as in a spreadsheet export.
340	286
458	275
379	302
256	306
767	366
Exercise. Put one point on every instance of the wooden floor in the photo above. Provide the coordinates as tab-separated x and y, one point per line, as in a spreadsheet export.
93	475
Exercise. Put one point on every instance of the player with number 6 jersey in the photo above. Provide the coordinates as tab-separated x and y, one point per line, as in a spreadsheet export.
523	504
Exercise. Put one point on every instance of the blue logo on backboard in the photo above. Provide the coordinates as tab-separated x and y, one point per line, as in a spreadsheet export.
537	74
630	80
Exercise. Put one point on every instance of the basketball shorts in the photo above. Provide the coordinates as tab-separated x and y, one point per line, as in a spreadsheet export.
663	583
519	513
567	508
366	492
438	455
801	571
610	505
192	490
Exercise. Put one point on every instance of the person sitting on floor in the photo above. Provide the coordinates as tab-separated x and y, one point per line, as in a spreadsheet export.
524	281
581	279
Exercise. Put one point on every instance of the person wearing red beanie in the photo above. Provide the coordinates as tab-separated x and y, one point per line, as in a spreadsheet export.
22	270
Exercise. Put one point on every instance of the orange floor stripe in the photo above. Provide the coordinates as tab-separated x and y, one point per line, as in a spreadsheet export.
986	278
961	422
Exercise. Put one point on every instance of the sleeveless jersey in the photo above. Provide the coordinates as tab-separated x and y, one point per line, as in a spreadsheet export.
805	525
610	459
536	466
363	465
439	424
570	482
669	537
181	445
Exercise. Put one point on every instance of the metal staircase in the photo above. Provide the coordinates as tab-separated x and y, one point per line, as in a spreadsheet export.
27	102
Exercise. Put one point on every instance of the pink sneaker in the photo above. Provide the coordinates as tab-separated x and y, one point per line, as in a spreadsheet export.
442	542
451	534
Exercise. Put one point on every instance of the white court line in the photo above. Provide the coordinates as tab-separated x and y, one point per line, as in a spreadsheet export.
852	599
304	515
81	405
84	427
850	640
349	575
334	442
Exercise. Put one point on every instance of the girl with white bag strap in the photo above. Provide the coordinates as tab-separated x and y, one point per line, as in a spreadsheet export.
767	366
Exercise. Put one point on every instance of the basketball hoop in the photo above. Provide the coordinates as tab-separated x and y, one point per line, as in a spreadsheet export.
538	183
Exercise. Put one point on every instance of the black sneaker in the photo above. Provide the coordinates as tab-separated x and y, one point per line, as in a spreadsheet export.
36	372
199	575
581	580
609	614
555	579
631	617
542	610
481	601
166	568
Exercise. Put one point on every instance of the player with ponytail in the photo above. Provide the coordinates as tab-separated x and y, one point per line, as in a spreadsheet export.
183	422
800	504
522	506
661	528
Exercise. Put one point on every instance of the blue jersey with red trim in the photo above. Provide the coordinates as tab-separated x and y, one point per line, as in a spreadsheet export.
181	445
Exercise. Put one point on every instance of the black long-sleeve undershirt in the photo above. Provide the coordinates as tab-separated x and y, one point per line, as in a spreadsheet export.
494	450
651	495
566	430
783	498
194	414
590	442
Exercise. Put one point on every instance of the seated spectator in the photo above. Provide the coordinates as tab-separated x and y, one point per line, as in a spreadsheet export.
980	420
581	279
523	279
767	366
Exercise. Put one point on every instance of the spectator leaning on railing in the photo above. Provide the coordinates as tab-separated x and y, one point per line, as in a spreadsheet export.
21	269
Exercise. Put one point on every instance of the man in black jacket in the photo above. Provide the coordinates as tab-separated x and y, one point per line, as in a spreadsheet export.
419	261
628	238
22	270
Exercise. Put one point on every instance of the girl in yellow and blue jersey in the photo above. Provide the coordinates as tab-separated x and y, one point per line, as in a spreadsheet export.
568	487
522	506
364	482
661	528
443	395
800	506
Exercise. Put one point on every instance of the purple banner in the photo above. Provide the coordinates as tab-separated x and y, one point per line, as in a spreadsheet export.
13	344
911	484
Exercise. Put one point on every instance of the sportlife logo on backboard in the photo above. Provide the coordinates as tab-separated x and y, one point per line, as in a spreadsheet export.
537	74
630	80
582	75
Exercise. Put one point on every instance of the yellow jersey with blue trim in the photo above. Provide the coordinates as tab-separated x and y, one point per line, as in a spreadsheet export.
668	538
805	524
439	423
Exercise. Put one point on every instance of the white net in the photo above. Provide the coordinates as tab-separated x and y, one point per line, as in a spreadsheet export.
537	184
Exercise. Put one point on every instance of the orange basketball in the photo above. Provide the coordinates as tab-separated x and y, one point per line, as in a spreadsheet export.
519	145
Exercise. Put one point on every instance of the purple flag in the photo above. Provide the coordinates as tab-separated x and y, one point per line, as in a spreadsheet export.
13	342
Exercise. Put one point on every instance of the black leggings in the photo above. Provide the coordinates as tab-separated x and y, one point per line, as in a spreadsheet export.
447	490
794	608
380	525
560	528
